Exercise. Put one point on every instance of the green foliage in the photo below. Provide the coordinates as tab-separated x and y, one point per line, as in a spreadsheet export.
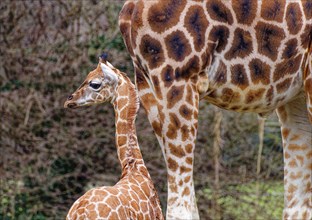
104	43
260	201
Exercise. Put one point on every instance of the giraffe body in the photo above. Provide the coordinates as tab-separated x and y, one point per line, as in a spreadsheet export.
134	196
245	56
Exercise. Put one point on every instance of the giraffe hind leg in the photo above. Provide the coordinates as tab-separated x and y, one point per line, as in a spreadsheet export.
297	145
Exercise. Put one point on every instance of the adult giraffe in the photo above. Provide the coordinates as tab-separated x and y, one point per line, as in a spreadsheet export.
241	55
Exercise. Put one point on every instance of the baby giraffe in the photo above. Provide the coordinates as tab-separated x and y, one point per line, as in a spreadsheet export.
134	196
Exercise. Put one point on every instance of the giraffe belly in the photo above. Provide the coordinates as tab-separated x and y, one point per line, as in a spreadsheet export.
251	97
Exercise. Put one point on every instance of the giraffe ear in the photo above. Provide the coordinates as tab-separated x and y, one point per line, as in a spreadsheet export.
109	75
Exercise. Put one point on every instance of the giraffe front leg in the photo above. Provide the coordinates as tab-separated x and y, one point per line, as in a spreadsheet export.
172	112
297	143
179	112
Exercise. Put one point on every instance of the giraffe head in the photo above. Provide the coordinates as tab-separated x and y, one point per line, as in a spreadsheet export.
98	87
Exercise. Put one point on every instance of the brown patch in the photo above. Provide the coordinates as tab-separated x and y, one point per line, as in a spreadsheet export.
121	213
239	77
173	188
148	100
172	200
295	137
196	24
269	94
245	10
286	155
218	11
282	114
269	39
186	112
188	70
180	183
308	188
123	114
184	169
100	193
122	152
287	67
152	51
91	214
157	128
175	121
157	87
221	74
172	132
121	127
294	18
273	10
219	34
165	14
134	206
292	163
146	189
305	214
144	207
295	176
283	86
291	205
167	76
307	8
228	95
113	202
174	95
309	155
260	72
171	179
185	132
187	179
121	140
295	147
172	164
292	188
122	102
189	94
241	45
306	36
300	159
186	191
189	160
178	46
176	150
254	95
290	49
189	148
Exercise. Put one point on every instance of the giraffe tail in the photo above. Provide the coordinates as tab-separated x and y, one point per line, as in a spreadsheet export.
307	77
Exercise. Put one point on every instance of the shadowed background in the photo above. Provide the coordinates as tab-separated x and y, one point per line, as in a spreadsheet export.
50	156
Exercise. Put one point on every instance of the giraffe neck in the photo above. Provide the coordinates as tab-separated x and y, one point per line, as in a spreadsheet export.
126	105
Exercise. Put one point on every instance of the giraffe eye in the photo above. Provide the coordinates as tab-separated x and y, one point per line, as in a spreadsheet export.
95	85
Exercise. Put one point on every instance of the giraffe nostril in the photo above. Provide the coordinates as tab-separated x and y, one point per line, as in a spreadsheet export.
72	105
70	97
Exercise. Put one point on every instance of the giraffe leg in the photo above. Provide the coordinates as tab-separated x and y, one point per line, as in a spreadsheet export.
297	143
179	129
175	124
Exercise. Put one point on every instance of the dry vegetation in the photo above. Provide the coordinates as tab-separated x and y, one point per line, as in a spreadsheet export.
50	156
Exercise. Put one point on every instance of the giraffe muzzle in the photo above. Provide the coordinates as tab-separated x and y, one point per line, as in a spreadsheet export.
69	104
